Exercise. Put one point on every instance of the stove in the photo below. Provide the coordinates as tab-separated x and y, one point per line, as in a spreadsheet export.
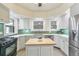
8	46
6	40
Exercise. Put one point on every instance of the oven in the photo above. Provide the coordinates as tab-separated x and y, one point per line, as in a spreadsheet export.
9	48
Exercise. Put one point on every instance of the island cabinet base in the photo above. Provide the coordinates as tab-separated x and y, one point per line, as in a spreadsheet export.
39	50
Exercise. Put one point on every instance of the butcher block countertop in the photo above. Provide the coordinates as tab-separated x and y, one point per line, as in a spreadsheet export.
43	41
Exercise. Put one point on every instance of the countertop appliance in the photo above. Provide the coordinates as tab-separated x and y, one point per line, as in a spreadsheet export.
73	36
8	46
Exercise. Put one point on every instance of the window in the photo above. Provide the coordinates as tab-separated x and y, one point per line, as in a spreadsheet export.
53	25
38	24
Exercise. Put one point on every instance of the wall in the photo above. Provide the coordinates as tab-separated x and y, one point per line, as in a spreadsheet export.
4	12
18	9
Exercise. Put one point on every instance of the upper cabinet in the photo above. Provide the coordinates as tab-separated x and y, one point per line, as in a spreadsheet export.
24	23
21	23
64	20
49	24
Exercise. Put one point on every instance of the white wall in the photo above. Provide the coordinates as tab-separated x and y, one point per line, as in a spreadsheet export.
4	13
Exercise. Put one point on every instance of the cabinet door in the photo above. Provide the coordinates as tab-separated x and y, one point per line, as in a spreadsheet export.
62	43
21	43
57	40
66	47
46	50
21	23
17	45
33	50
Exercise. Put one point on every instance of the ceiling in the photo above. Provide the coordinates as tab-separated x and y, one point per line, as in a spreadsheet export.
33	10
44	7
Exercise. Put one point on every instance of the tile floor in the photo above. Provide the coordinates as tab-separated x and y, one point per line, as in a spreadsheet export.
57	52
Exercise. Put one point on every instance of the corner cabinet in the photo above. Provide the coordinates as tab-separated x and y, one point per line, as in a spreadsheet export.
62	43
38	25
58	41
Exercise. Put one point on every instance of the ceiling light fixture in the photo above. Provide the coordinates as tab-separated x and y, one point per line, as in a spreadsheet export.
39	4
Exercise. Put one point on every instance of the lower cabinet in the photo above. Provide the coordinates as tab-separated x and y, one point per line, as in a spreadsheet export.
46	50
39	50
21	42
58	41
66	47
62	43
33	51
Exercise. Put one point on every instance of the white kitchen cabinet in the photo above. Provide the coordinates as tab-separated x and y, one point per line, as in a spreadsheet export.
33	50
39	50
21	43
27	23
21	23
45	50
58	41
62	43
65	45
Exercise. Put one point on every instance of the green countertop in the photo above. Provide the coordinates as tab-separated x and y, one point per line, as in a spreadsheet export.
27	32
21	35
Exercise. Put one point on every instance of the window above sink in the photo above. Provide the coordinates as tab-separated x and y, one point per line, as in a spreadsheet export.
38	24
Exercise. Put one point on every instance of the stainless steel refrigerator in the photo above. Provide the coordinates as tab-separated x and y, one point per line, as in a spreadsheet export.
74	36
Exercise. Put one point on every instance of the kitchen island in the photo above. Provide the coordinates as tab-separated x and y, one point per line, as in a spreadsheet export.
39	47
